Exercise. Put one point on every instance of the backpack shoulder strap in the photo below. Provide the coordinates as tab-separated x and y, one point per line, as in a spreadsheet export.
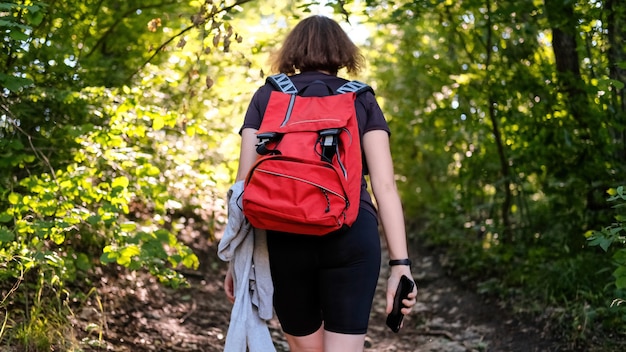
354	86
283	83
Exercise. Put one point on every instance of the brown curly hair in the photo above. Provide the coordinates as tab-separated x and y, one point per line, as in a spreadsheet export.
317	43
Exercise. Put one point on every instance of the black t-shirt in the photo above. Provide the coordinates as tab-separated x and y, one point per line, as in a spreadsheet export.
369	115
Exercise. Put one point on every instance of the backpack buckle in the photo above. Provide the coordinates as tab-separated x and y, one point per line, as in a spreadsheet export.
264	140
329	139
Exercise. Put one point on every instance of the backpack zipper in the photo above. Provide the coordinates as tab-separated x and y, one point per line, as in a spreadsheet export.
327	200
341	166
324	189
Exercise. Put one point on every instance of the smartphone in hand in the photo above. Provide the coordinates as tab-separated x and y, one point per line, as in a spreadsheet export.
394	319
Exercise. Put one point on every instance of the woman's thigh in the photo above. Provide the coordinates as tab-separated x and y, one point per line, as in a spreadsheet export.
330	279
349	277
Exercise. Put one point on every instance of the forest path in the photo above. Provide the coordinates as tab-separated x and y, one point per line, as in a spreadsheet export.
137	314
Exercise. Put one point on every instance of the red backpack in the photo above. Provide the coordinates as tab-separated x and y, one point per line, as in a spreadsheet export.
307	179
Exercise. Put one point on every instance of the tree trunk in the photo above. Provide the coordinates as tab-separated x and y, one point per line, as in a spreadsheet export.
616	28
563	24
505	171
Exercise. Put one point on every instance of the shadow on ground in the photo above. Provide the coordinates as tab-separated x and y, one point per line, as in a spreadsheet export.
132	312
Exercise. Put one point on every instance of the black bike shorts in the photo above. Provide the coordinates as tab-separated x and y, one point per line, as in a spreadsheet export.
327	279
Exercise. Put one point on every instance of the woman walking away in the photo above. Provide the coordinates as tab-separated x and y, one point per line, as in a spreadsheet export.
324	285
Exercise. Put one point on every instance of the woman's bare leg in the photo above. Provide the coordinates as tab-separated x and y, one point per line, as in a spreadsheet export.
335	342
326	341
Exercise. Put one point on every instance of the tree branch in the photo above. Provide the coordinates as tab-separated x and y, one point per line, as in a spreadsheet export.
185	30
120	19
41	156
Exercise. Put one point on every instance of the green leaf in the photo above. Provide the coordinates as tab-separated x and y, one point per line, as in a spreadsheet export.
604	84
620	282
134	265
82	262
13	24
152	170
108	257
614	231
16	145
5	217
14	198
128	226
13	83
94	219
18	35
126	255
600	241
620	257
162	235
6	235
121	181
154	249
190	130
36	18
57	237
617	84
7	6
191	261
158	122
620	277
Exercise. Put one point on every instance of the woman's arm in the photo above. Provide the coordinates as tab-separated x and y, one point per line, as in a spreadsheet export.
247	153
380	165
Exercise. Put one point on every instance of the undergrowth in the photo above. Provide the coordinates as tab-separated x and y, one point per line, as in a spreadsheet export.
575	293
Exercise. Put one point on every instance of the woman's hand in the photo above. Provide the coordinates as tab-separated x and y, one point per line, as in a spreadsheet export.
229	285
392	285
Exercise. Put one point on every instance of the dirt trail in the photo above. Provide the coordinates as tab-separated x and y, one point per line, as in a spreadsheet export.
450	318
140	315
